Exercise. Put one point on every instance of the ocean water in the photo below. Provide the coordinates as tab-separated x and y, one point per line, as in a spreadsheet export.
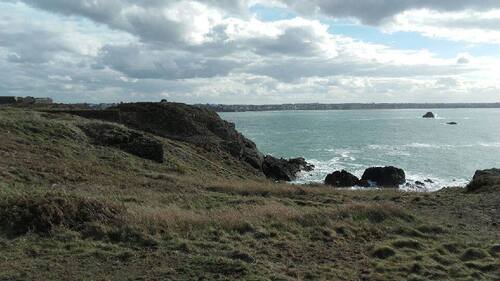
358	139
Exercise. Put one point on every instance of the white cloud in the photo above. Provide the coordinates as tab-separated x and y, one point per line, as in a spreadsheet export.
467	26
217	51
376	11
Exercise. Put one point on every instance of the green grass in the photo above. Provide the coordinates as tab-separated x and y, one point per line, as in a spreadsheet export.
71	210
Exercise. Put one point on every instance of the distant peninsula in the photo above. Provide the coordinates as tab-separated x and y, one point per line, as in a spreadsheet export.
342	106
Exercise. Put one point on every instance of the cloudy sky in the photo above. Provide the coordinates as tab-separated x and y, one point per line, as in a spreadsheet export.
251	51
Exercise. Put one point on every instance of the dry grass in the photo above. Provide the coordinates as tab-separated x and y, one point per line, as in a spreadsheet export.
375	212
174	217
256	188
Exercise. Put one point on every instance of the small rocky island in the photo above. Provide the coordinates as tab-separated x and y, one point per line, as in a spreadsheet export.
429	115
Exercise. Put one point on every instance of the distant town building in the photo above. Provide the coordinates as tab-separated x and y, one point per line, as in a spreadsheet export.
8	100
43	100
25	100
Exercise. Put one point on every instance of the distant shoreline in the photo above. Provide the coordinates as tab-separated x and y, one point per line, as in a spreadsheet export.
343	106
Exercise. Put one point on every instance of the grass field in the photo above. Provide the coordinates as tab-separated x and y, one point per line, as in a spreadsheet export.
73	210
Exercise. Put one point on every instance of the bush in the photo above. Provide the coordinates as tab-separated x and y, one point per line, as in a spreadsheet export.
20	214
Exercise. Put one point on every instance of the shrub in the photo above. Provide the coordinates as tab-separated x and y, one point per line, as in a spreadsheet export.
20	214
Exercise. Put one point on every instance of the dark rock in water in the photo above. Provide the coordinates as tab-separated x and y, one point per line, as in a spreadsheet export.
283	169
452	123
385	176
419	183
300	164
130	141
429	115
364	183
341	179
429	181
485	180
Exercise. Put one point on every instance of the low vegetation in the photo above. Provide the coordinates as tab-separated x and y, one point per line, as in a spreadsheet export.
74	209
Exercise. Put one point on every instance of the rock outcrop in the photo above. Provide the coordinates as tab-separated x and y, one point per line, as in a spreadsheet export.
341	179
199	126
385	176
283	169
429	115
485	181
130	141
183	122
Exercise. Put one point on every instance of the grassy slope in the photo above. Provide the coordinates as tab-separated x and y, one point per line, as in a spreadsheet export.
74	211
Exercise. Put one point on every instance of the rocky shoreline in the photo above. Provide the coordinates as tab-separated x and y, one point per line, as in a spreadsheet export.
392	177
199	126
204	128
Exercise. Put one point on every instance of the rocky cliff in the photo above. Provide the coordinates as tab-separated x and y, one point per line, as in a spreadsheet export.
200	126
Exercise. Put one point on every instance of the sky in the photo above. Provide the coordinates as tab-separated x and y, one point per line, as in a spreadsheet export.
251	51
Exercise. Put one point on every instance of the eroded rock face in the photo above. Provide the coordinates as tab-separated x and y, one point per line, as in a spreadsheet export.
485	181
283	169
341	179
429	115
385	176
130	141
199	126
192	124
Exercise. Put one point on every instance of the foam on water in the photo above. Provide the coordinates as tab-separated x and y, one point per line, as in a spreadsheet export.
432	182
358	139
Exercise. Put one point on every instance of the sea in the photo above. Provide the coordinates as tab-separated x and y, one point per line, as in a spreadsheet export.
353	140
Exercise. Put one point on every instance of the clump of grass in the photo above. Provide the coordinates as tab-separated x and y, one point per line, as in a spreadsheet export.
241	220
482	266
374	212
383	252
314	219
441	259
223	267
132	235
407	243
415	277
495	250
41	213
474	254
255	188
453	248
239	255
431	229
409	232
33	126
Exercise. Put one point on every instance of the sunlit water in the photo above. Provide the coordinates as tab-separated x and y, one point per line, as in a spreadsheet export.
358	139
